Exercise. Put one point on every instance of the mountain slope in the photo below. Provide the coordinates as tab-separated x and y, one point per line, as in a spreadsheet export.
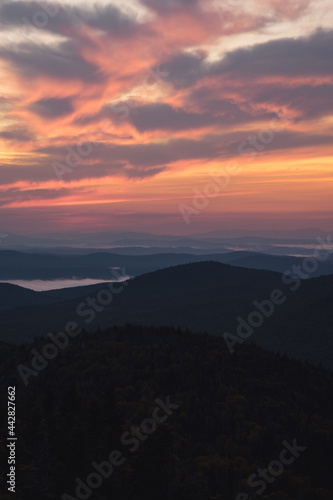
204	297
29	266
13	296
230	416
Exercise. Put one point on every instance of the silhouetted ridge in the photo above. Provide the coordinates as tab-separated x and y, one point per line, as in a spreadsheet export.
204	297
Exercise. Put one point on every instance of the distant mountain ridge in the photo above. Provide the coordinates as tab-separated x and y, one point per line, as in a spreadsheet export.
204	297
28	266
272	242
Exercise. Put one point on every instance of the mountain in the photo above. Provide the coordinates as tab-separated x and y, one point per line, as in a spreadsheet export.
204	297
29	266
272	242
12	296
188	420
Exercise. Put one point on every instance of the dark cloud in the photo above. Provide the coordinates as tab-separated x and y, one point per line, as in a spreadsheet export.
169	5
111	20
137	173
165	117
17	135
142	157
34	60
145	155
230	111
287	57
16	195
13	13
100	168
62	18
280	140
309	101
292	57
210	147
64	60
42	170
53	107
30	172
146	160
154	154
185	69
162	116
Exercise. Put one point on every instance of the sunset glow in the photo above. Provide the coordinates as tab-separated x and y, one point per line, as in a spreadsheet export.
114	115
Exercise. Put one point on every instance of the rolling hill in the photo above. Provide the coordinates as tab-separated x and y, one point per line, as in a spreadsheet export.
204	297
230	417
30	266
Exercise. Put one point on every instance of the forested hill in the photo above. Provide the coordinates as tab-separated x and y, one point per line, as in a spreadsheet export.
12	296
232	415
204	297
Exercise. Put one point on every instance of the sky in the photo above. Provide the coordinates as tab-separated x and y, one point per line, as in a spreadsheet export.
166	116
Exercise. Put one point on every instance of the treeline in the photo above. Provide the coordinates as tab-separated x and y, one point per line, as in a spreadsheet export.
234	412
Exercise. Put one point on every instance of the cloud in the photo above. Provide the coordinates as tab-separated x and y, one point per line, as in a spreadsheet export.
42	170
16	195
283	140
152	155
288	57
184	69
161	116
198	113
63	63
140	161
142	156
163	6
239	88
285	57
16	135
308	101
111	20
52	107
137	173
158	154
215	147
289	9
164	117
65	18
28	171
